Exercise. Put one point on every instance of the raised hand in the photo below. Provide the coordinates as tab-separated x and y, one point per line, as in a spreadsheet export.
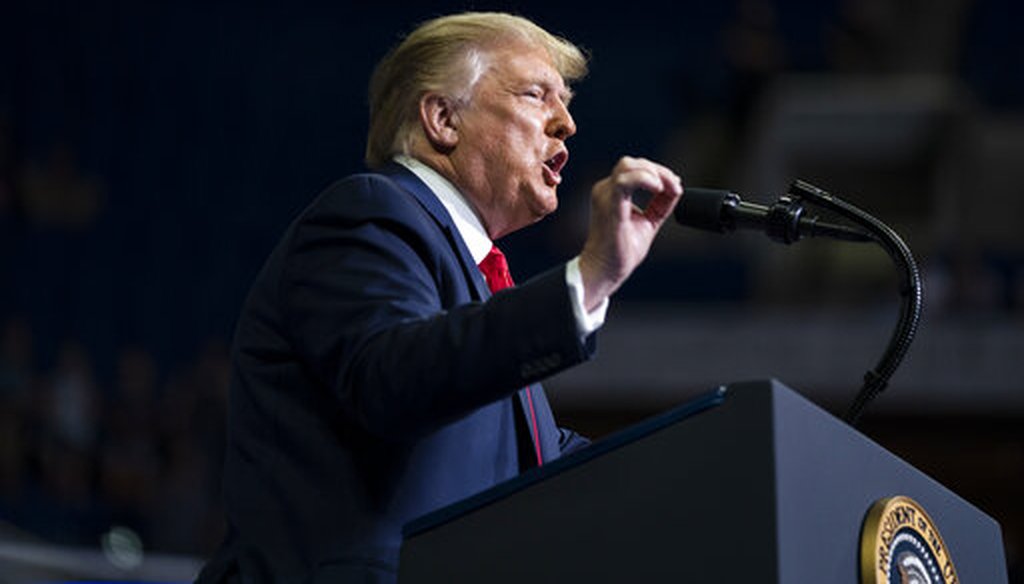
621	233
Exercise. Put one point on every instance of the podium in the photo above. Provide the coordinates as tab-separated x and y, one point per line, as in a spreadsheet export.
748	483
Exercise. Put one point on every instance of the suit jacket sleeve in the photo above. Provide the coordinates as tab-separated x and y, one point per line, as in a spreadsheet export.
378	307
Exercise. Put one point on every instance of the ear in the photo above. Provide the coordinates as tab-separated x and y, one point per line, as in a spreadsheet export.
439	120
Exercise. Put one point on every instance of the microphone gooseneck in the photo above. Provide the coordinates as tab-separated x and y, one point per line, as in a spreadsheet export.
876	380
785	221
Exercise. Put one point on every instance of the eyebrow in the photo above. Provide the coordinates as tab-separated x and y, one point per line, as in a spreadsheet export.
567	94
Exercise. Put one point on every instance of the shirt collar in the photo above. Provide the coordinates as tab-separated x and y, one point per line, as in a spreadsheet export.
469	226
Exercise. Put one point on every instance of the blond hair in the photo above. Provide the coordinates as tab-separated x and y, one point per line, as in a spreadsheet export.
448	55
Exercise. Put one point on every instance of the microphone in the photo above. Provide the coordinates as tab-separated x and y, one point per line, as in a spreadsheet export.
723	211
784	220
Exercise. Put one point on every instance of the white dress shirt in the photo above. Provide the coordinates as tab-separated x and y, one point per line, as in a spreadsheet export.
473	234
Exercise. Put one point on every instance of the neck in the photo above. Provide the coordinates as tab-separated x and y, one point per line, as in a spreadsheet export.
442	164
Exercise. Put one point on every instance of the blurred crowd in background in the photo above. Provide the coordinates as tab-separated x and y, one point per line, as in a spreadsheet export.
151	154
78	457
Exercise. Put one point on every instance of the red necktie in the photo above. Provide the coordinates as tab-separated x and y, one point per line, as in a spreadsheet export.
495	270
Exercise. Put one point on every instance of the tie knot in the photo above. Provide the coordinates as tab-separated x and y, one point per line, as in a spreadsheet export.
495	270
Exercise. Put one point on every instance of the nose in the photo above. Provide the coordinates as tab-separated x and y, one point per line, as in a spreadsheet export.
561	125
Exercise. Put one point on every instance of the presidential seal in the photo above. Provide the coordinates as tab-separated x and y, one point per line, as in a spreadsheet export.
900	544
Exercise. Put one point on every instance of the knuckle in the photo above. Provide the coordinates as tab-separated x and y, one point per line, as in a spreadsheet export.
623	180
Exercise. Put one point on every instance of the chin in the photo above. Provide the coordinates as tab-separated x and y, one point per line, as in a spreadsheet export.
545	204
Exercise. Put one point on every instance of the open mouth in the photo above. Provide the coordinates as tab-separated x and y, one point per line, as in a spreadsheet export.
555	164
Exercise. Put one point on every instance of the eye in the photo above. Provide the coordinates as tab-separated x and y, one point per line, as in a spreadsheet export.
534	93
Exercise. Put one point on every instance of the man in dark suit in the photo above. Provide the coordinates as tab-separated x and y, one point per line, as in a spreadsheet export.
378	373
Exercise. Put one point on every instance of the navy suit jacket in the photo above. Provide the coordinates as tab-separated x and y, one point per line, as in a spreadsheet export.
374	379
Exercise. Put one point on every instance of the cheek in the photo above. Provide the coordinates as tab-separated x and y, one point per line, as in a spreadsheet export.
509	158
509	150
523	149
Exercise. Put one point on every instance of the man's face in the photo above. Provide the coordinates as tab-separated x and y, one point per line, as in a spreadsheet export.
511	135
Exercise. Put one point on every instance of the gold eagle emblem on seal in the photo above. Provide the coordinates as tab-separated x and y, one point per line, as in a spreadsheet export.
900	544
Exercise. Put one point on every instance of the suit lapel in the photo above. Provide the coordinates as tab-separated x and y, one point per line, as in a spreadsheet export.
410	183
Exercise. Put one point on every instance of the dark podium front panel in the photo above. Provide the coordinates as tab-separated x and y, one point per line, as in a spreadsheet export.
750	483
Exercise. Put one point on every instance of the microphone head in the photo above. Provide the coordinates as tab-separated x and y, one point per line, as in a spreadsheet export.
702	209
